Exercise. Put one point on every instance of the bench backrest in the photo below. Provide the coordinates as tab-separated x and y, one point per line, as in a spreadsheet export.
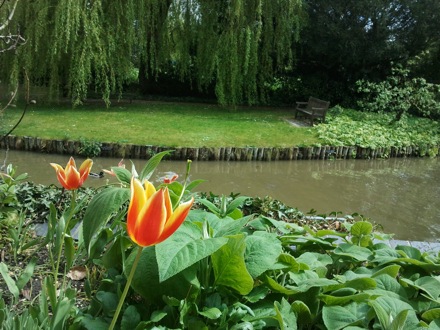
317	103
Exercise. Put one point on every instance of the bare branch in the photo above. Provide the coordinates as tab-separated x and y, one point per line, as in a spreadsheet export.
11	15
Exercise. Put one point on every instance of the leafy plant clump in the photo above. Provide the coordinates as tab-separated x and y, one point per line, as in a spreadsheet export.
400	94
235	263
346	127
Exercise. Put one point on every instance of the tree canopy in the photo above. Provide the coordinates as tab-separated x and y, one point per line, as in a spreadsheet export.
347	40
233	47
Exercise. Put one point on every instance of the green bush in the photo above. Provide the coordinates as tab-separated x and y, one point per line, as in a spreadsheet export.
400	94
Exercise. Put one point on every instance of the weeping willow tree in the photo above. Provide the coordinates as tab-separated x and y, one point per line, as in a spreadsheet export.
77	46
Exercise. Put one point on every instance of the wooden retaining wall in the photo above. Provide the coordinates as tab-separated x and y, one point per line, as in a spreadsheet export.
133	151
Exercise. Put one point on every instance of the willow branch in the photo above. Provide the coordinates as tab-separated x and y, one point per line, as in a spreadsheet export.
11	15
24	110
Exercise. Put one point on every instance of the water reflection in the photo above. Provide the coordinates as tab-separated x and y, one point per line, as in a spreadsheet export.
400	194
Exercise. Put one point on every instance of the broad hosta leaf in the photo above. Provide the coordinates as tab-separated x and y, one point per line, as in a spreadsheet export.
388	308
302	312
410	252
431	315
276	287
330	300
262	251
229	265
285	315
183	249
227	226
340	317
361	228
352	251
388	286
429	285
146	278
130	318
99	210
399	321
315	260
287	261
391	270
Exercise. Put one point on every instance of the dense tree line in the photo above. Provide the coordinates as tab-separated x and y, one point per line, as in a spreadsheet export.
240	52
348	40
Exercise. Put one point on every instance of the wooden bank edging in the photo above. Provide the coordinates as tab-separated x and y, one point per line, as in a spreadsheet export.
134	151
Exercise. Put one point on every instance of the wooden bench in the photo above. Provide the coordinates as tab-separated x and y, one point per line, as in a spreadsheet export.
314	108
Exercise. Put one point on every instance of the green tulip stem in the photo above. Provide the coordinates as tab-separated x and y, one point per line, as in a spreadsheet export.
66	227
127	286
185	183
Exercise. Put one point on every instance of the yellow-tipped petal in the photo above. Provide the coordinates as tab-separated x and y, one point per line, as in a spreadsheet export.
137	202
150	190
176	219
57	167
85	169
168	204
72	177
151	221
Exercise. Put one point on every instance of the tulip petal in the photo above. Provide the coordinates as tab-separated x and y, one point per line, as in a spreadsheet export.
84	170
57	167
149	189
151	221
168	204
137	202
61	176
176	219
72	177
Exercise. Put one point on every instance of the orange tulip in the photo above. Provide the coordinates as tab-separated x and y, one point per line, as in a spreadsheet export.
151	218
69	177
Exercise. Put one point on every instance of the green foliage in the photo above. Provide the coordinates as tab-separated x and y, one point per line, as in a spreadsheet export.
90	148
79	47
220	271
347	127
8	185
400	94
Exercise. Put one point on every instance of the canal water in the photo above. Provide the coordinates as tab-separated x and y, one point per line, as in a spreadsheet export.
401	194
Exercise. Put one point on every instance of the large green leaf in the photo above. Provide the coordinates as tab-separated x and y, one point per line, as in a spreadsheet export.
146	278
285	315
409	252
352	251
276	287
122	174
130	318
229	265
101	207
339	317
361	228
428	285
391	270
388	286
331	300
227	226
262	252
151	165
388	308
431	315
184	248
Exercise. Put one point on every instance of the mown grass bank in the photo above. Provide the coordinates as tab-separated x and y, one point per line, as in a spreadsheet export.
210	132
164	124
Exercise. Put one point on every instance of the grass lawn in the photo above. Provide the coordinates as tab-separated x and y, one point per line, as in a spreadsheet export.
166	124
